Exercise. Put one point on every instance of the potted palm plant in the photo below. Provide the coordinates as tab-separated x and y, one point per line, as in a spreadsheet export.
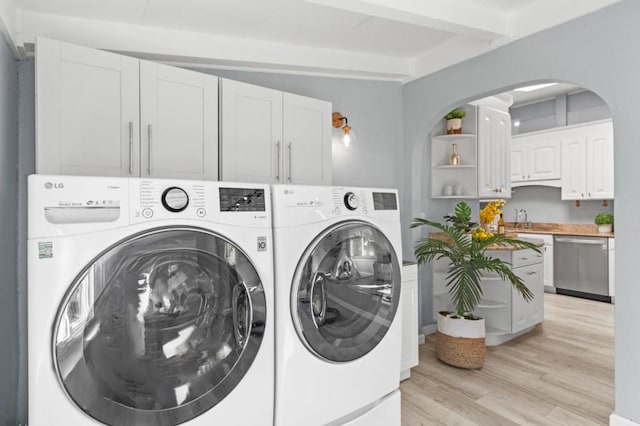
460	335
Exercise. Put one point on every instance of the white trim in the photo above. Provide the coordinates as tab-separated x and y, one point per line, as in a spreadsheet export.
428	329
616	420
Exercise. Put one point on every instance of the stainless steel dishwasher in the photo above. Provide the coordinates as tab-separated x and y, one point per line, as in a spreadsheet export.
581	267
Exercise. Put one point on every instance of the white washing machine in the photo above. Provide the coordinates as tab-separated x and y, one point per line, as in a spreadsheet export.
338	332
150	302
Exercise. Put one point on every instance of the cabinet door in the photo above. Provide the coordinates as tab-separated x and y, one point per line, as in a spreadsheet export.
409	298
87	109
494	153
252	148
574	167
600	161
544	159
527	313
307	138
179	120
518	172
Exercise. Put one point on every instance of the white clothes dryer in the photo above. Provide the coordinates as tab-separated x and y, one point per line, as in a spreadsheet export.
150	302
338	332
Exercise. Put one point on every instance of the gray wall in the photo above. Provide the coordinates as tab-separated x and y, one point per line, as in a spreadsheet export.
374	111
585	53
543	204
8	236
563	110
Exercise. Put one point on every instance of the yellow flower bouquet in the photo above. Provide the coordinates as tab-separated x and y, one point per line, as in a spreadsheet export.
491	211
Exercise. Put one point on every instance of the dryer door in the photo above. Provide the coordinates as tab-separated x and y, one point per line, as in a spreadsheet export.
346	291
159	328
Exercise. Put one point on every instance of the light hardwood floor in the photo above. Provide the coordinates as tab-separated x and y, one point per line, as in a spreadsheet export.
561	373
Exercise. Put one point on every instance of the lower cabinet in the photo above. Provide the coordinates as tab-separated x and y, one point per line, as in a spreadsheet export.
409	304
507	314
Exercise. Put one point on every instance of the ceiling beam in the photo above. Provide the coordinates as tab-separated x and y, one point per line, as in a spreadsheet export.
466	20
213	51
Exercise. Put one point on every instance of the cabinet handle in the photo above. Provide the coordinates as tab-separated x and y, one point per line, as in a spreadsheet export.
531	273
289	147
131	147
278	161
589	195
523	177
149	150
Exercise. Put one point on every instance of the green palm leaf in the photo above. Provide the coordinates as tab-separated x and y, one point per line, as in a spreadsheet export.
468	259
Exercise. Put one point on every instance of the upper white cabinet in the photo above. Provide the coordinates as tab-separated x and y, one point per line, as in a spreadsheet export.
535	158
103	114
288	136
179	123
494	153
587	162
87	111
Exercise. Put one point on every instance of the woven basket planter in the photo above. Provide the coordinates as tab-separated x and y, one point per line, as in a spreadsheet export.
460	342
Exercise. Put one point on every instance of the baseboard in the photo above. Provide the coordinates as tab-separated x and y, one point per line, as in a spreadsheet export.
420	339
429	329
616	420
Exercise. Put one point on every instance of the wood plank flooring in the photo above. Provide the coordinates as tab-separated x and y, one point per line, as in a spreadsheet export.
561	373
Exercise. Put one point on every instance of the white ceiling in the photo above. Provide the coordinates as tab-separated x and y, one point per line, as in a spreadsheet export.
377	39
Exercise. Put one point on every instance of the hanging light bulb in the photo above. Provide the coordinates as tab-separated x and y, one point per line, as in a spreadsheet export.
346	139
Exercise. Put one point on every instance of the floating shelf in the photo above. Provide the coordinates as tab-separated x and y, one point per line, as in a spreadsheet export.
460	197
490	304
461	166
458	136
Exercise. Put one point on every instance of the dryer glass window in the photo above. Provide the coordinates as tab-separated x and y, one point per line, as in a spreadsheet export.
159	328
346	291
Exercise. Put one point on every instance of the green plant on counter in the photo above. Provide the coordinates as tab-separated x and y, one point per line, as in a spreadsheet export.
468	260
462	218
604	219
456	113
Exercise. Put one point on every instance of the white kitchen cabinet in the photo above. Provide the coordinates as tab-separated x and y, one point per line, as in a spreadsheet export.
587	162
547	252
494	153
288	136
409	303
103	114
536	158
87	111
179	123
528	313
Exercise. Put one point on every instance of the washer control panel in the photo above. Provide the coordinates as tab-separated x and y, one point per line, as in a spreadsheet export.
349	201
157	199
175	199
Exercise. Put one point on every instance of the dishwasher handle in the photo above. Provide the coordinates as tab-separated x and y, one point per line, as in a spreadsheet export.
595	242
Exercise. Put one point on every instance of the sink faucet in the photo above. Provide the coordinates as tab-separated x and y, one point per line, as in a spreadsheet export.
527	224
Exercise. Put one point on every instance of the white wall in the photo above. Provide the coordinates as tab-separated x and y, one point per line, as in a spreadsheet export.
586	52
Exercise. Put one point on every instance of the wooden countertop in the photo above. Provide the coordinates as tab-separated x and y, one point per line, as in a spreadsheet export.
496	247
585	230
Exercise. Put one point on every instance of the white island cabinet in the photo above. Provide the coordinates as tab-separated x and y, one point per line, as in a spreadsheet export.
103	114
507	314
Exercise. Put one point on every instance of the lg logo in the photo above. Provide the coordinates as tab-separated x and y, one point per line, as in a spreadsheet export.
50	185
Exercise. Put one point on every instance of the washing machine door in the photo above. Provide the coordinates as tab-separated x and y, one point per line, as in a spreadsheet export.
346	291
159	328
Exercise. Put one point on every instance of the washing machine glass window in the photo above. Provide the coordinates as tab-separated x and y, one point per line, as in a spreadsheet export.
346	291
159	328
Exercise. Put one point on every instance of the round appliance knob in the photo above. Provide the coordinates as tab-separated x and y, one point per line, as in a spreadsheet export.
175	199
351	201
